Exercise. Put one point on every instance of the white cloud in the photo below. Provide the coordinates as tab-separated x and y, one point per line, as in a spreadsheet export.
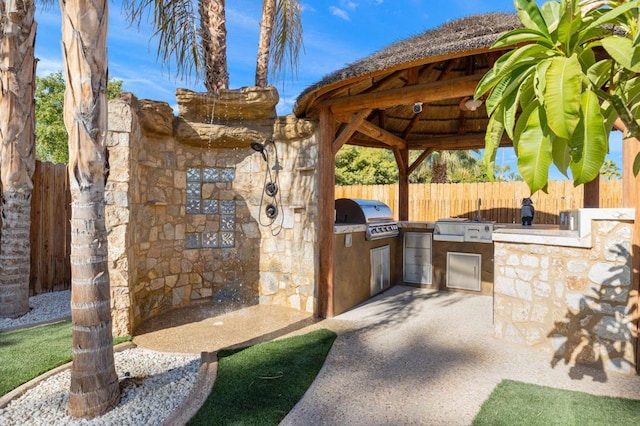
307	8
241	19
340	13
47	65
348	4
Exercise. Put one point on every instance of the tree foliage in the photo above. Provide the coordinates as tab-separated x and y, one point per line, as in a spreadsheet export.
556	94
610	170
372	166
365	166
51	135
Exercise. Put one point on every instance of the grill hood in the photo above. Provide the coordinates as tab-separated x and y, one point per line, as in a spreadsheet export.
375	214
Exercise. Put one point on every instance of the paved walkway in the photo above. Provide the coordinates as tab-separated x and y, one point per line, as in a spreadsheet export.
410	356
414	356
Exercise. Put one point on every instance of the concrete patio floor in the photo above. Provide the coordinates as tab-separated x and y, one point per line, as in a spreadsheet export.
408	356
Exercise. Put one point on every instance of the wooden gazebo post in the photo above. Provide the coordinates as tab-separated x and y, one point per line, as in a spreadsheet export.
326	207
630	188
402	159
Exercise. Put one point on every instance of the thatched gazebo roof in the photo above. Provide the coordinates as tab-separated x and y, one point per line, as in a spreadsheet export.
439	68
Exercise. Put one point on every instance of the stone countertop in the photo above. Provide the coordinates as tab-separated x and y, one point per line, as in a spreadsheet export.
348	228
554	236
416	225
539	234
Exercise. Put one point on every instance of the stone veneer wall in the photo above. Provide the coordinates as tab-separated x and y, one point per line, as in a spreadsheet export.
572	302
164	254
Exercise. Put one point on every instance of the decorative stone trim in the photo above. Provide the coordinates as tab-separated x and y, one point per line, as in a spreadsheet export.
573	302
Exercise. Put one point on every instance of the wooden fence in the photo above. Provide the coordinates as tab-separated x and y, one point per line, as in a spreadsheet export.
50	229
500	201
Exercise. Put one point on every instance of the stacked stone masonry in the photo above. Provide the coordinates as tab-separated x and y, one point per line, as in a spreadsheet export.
574	303
161	244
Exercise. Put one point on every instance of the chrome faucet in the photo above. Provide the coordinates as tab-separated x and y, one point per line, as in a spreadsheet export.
478	218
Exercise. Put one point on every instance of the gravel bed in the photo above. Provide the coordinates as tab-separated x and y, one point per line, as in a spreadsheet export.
152	383
45	307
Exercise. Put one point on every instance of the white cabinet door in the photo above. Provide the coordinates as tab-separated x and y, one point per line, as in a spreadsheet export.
463	271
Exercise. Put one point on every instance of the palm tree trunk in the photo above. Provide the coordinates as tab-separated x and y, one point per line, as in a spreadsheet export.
264	44
439	169
94	382
214	44
17	147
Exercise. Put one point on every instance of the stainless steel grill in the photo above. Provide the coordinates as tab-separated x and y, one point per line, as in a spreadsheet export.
376	215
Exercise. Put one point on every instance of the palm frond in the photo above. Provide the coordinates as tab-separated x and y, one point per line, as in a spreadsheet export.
286	39
176	28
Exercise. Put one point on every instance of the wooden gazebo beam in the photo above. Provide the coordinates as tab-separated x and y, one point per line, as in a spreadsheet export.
408	95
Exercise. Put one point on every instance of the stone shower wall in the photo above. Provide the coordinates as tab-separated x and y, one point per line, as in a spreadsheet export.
571	302
186	221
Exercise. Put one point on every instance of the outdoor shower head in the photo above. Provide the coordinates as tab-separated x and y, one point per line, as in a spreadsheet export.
258	147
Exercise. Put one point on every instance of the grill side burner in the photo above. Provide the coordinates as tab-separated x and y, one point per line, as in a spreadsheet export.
376	215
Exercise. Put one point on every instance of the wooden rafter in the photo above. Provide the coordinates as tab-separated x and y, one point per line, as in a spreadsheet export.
347	131
387	138
447	69
456	142
414	120
412	77
386	82
419	160
402	166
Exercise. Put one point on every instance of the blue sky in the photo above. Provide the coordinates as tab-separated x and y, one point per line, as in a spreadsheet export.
336	32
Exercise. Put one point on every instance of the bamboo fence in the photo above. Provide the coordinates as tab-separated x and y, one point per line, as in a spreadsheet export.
499	201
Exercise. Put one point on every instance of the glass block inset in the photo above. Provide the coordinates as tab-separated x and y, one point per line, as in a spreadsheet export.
193	206
193	174
227	223
227	175
210	206
210	240
210	174
227	239
223	211
192	241
228	207
194	190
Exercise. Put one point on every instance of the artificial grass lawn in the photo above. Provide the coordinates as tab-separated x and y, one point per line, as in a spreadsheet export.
27	353
517	403
260	384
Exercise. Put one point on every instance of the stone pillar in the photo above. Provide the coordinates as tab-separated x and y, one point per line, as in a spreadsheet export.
123	127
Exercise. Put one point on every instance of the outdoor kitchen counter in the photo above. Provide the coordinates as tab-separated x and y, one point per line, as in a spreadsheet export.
552	235
348	228
416	225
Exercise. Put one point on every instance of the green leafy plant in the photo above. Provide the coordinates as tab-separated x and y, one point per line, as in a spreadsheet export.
51	135
571	71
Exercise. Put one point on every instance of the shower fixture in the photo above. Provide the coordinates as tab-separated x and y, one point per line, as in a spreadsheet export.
271	189
270	197
271	211
258	147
